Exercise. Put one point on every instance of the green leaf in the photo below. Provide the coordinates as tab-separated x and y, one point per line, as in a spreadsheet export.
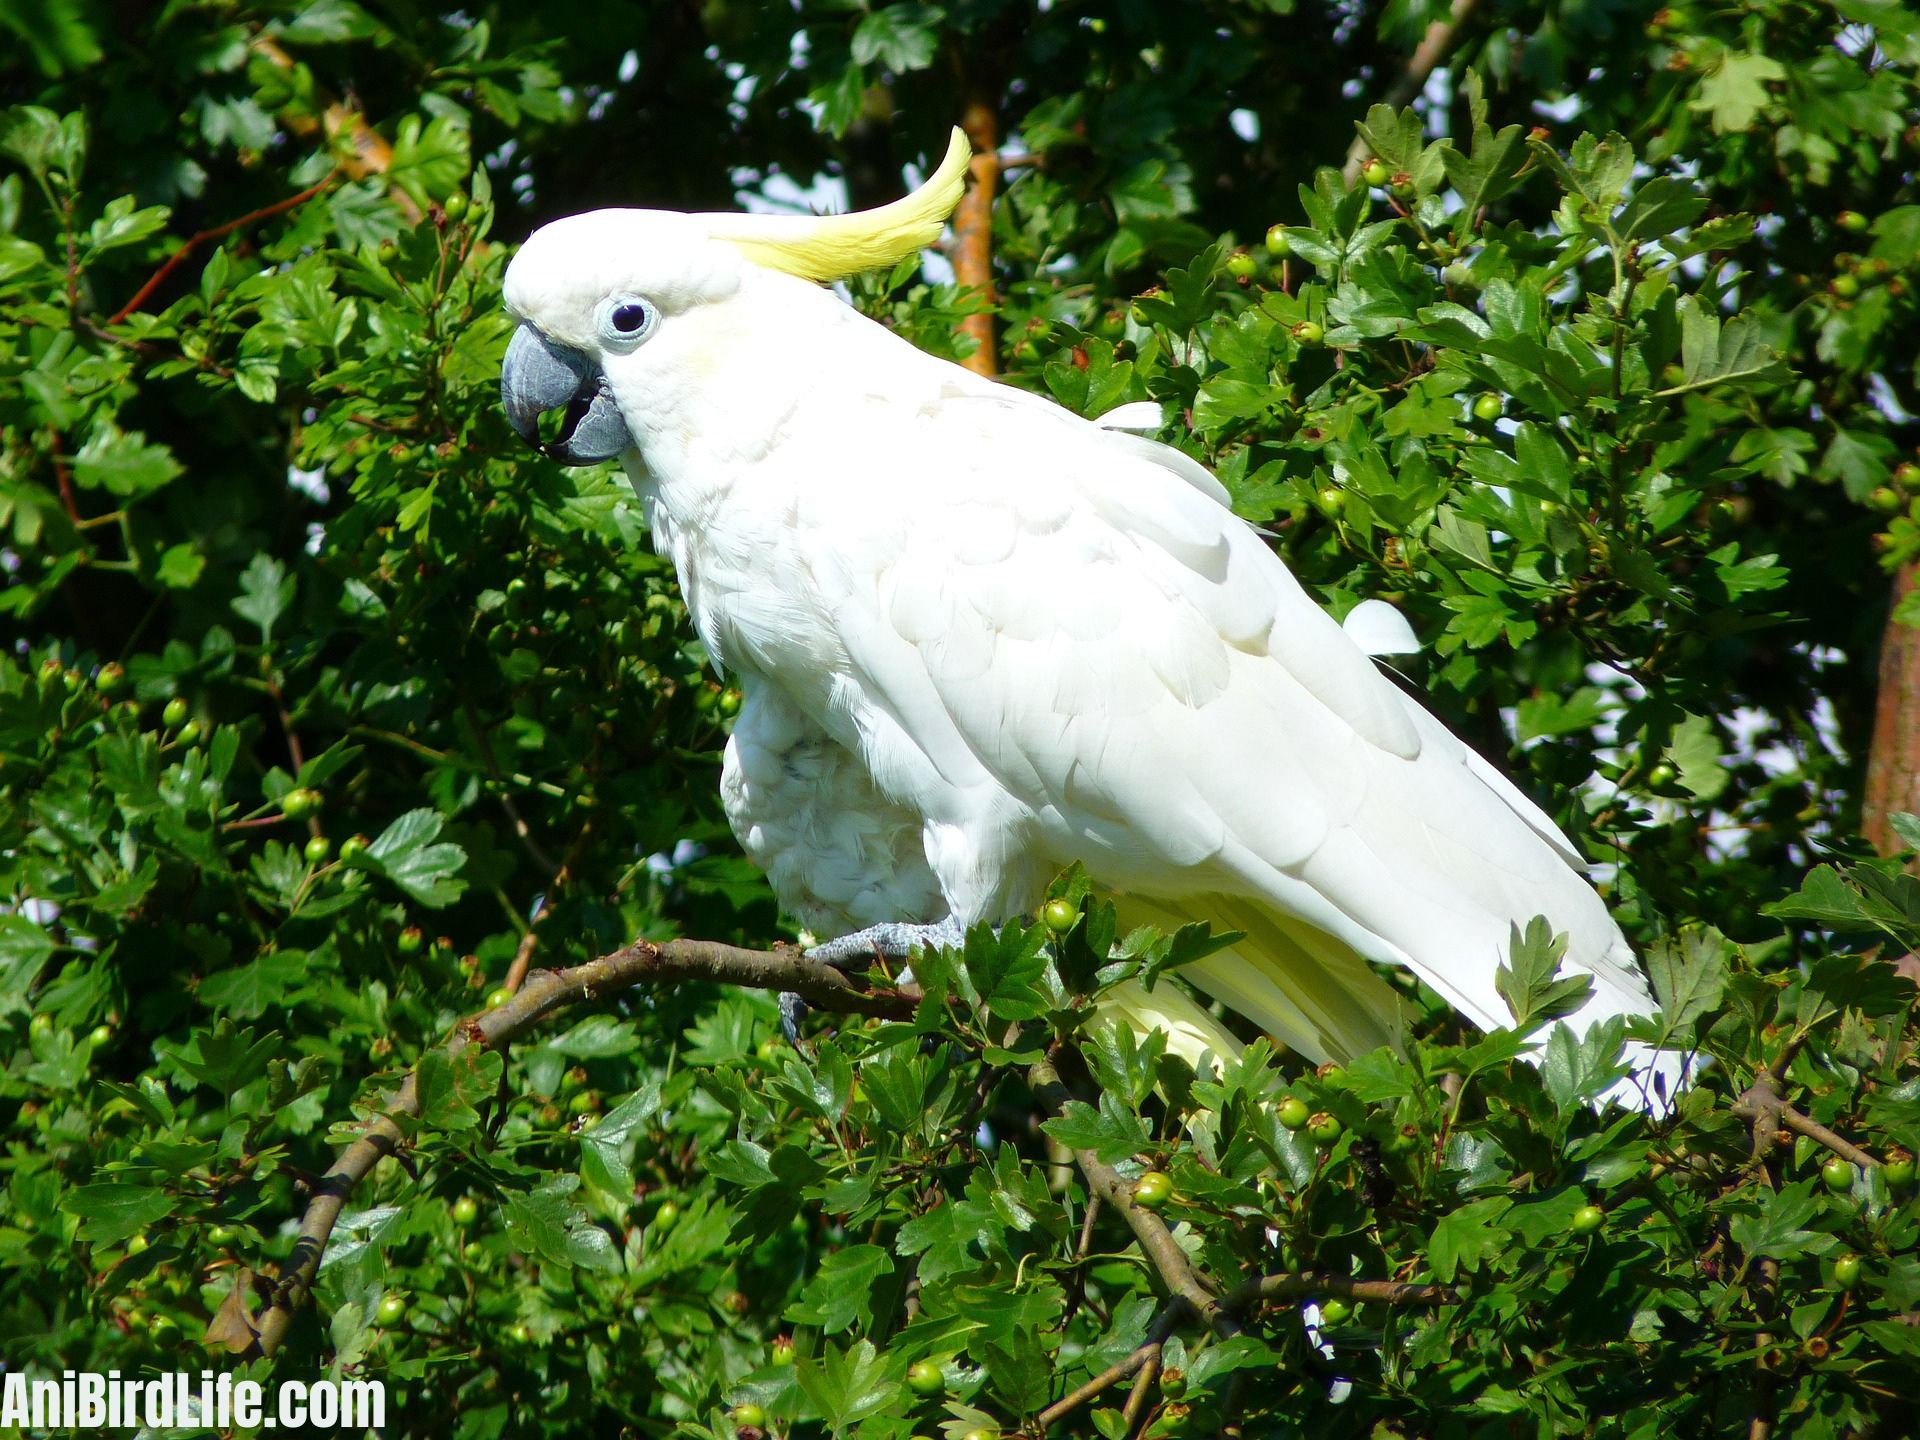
451	1088
266	590
428	872
1734	92
848	1385
841	1292
1528	981
1468	1237
903	38
1689	974
606	1150
112	1212
124	464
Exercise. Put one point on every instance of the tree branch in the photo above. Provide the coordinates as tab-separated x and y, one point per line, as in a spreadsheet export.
545	993
1163	1252
1434	46
973	230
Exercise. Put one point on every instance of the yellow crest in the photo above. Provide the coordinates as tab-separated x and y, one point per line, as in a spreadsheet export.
827	247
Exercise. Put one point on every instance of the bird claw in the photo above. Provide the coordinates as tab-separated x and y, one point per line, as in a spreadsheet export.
893	940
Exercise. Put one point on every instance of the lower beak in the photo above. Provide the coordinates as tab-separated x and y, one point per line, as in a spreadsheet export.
539	376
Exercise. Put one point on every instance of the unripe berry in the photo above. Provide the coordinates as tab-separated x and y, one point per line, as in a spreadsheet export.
1278	242
1838	1175
1059	915
173	712
1587	1219
1293	1113
1152	1190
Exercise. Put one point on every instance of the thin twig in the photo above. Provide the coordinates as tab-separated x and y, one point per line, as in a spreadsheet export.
1135	1360
545	993
193	242
1306	1286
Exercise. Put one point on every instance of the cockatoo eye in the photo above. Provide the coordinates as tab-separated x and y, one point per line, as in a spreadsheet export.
625	321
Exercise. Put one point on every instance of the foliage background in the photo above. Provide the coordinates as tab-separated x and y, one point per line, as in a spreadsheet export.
1676	247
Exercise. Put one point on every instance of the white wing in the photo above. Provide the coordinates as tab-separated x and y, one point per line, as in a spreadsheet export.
1059	645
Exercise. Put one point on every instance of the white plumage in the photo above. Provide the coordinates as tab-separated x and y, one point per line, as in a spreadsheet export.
980	638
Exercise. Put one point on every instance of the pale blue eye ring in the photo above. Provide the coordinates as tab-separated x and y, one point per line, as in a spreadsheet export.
625	321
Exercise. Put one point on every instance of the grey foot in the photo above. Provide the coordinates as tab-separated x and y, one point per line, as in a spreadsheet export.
895	940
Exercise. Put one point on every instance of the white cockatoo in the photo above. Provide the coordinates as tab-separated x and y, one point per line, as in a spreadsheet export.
979	638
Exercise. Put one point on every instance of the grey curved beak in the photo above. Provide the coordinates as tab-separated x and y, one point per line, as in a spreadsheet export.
539	376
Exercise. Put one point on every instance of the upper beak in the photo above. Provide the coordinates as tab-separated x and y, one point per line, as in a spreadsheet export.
538	376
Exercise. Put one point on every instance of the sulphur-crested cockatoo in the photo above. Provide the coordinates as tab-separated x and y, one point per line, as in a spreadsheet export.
980	638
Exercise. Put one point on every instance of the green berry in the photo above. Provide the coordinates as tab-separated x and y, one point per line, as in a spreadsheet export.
769	1049
353	847
190	733
455	205
737	1302
1846	1271
1898	1171
1175	1419
1587	1219
1845	286
102	1035
1487	407
222	1234
744	1415
924	1378
297	804
41	1024
1059	915
981	1435
1885	500
1324	1129
1375	173
1335	1312
1152	1190
317	849
1242	266
174	712
112	678
584	1103
411	940
1661	775
499	997
137	1244
782	1351
1308	332
1173	1383
1907	476
1293	1113
1278	242
465	1210
666	1217
1851	220
1838	1175
520	1333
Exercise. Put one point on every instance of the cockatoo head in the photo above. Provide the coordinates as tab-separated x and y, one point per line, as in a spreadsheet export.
598	294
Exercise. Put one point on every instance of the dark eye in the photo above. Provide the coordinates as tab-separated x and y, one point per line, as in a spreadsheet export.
630	319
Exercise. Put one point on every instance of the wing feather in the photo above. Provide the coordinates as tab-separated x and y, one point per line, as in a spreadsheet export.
1077	629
